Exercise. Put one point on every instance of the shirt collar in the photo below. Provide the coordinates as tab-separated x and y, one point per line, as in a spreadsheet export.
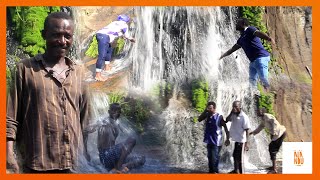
241	113
69	62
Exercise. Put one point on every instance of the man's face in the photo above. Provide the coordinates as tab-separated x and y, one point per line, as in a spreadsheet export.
236	108
59	37
239	26
260	112
211	109
114	113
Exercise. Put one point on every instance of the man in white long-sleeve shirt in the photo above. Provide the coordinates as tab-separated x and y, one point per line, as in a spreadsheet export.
277	132
105	37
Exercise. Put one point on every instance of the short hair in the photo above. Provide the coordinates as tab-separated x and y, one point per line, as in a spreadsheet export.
115	106
211	103
56	15
244	21
236	102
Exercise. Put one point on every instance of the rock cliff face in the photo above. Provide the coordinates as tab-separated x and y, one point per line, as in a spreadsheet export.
291	28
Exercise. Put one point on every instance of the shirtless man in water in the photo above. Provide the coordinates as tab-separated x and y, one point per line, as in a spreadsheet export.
114	156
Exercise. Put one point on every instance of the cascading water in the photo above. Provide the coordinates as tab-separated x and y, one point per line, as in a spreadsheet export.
177	45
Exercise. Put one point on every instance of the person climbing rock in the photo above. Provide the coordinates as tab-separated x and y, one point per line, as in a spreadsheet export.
277	132
259	57
213	135
105	37
114	157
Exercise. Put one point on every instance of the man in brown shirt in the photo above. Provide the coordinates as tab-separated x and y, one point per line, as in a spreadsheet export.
48	105
277	132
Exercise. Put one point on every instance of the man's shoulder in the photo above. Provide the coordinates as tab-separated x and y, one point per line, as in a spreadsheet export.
244	115
250	30
269	116
29	62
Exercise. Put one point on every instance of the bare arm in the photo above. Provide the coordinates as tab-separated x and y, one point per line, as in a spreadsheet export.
89	129
246	144
12	164
229	117
223	124
230	51
202	116
264	36
256	131
126	35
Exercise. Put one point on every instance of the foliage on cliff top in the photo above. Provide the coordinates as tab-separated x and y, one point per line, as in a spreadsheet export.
27	25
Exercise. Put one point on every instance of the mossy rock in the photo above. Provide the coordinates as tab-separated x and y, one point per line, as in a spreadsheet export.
266	100
28	22
200	94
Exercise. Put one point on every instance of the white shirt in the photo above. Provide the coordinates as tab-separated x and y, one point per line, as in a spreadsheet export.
115	29
238	126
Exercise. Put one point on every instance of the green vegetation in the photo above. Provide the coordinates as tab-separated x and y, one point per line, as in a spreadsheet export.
200	94
135	109
119	46
10	70
116	98
162	89
93	48
27	25
9	79
266	101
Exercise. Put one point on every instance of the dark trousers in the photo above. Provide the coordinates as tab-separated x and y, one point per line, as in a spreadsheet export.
274	146
237	156
213	157
104	50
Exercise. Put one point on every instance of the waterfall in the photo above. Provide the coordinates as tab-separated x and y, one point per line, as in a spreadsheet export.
179	44
176	45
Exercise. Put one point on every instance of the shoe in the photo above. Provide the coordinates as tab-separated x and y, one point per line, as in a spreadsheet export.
232	172
269	168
